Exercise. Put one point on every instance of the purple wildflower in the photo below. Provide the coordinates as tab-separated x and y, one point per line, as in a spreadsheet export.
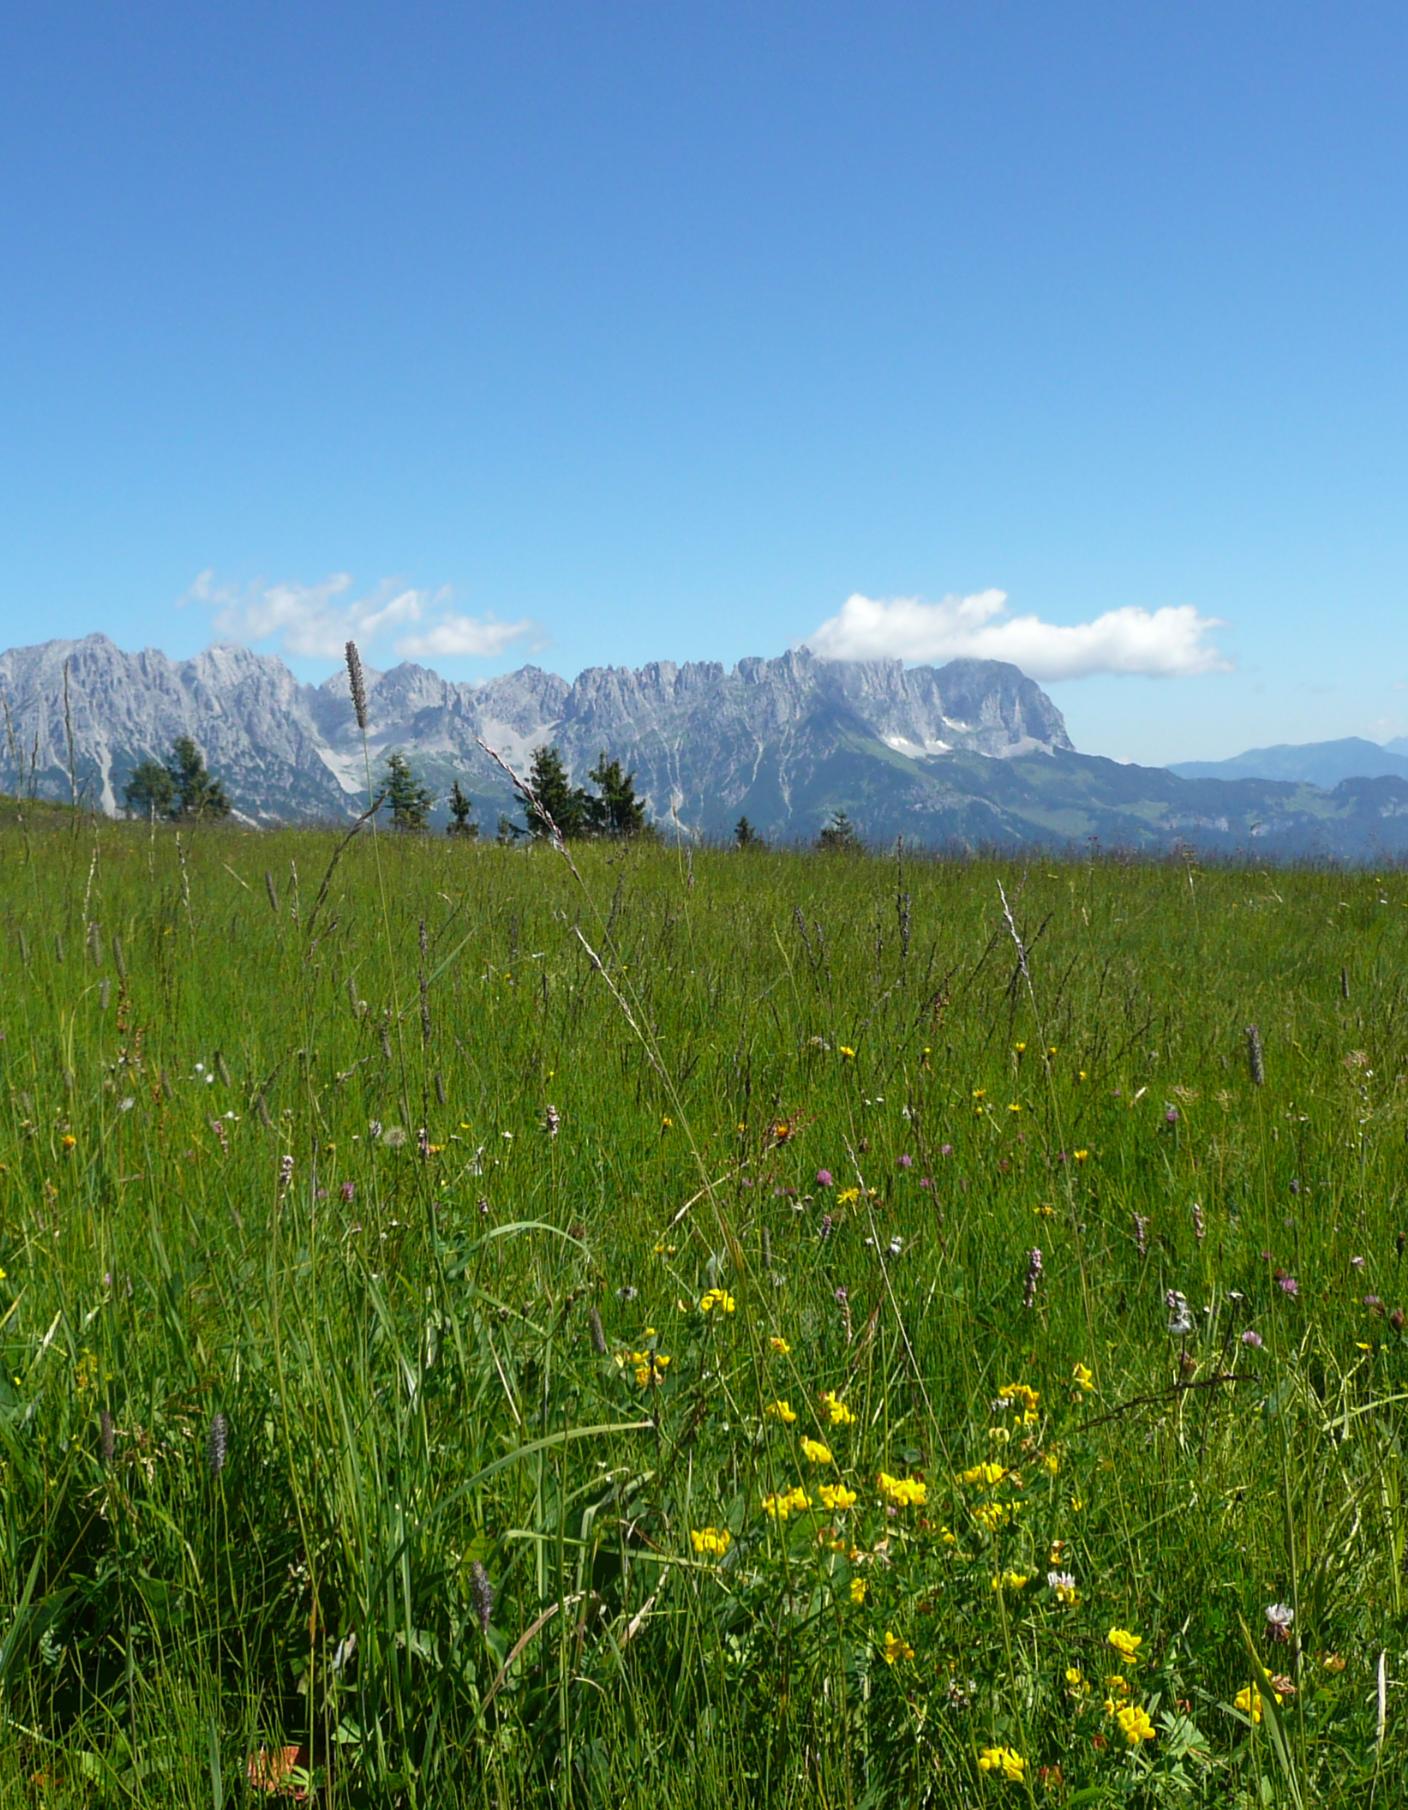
1253	1339
824	1178
482	1594
905	1162
1288	1286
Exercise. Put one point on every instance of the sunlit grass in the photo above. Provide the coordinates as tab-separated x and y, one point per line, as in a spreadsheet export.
404	1289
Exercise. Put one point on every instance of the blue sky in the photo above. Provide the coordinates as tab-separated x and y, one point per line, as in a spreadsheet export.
594	334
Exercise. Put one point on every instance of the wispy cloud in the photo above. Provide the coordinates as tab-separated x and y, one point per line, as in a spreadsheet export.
317	620
1172	642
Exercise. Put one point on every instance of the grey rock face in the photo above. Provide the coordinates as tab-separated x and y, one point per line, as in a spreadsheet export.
965	755
706	743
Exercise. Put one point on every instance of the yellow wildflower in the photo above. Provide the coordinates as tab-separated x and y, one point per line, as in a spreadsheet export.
988	1475
846	1197
718	1298
896	1649
815	1452
1005	1762
1127	1645
1134	1724
787	1502
1248	1699
1010	1580
1083	1378
836	1496
845	1052
780	1346
858	1589
836	1410
1081	1156
1077	1682
781	1410
713	1542
903	1492
649	1366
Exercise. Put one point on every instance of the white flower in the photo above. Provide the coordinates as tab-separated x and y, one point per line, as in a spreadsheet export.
1279	1617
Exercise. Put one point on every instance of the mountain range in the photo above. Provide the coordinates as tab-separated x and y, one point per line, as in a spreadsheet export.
968	754
1322	764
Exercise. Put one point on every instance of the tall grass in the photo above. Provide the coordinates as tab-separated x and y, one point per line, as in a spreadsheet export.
359	1409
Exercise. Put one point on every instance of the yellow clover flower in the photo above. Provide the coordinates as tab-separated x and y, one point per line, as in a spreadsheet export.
986	1476
903	1492
1003	1762
1127	1645
896	1649
1248	1699
712	1542
1135	1725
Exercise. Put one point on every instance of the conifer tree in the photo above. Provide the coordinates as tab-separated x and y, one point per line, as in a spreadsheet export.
410	801
461	822
196	793
615	811
839	836
150	792
558	803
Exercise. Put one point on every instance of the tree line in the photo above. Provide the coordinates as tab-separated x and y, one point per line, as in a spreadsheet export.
182	789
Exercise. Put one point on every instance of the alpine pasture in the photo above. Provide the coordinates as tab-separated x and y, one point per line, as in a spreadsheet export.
479	1328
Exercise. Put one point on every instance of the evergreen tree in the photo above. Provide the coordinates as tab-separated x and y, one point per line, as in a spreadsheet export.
615	811
508	831
410	801
461	823
745	836
196	793
150	792
557	799
839	836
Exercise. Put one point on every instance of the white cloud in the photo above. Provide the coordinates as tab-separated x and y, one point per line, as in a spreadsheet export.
1166	643
463	636
317	620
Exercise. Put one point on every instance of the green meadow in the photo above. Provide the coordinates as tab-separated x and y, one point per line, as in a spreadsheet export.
480	1328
